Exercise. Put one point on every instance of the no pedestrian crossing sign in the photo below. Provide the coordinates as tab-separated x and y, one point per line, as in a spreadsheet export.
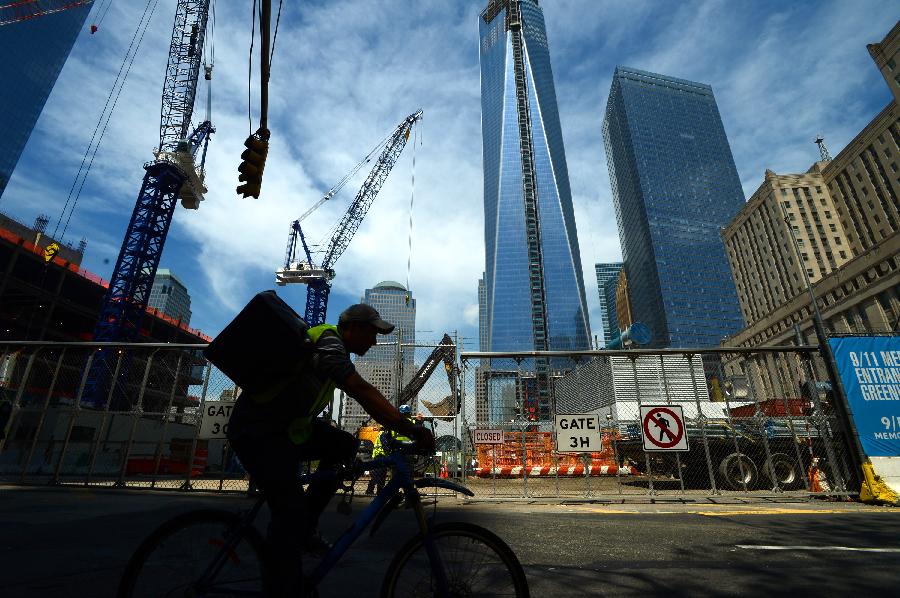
578	433
662	427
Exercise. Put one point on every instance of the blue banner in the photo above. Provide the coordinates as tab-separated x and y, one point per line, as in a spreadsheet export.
869	367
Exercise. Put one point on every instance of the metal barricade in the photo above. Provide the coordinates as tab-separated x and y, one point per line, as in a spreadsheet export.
758	422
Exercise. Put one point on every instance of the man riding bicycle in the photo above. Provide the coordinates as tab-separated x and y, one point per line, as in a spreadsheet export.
273	435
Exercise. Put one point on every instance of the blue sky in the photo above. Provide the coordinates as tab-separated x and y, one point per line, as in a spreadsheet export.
346	72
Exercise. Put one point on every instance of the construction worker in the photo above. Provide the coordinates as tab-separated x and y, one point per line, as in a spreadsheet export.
376	482
406	412
272	435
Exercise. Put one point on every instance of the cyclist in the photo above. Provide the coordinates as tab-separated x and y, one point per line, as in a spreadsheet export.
273	436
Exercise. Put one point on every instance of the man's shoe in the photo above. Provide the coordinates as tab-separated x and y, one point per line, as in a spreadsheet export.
316	545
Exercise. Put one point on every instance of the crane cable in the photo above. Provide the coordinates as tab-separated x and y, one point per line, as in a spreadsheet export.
412	197
102	10
325	240
136	39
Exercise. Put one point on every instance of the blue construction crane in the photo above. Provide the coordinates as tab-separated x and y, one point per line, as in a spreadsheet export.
318	278
173	174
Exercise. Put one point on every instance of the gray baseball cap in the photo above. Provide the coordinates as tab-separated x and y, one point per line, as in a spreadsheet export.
365	313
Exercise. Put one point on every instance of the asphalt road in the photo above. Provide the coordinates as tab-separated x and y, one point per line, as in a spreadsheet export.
74	542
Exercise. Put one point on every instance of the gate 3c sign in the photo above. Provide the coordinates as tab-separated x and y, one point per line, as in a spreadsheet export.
215	419
662	427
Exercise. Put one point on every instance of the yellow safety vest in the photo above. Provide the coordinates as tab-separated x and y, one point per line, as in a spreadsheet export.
400	437
300	427
377	448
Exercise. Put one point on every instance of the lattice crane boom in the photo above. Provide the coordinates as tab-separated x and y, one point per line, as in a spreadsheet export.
318	278
172	175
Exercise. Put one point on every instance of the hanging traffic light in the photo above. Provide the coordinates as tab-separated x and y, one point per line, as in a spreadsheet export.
254	162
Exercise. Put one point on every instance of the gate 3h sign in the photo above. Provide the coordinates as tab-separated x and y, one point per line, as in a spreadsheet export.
578	433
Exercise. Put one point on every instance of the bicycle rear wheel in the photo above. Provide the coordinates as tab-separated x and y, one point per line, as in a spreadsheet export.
175	557
476	561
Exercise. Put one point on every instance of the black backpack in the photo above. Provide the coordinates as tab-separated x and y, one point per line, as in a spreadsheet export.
263	347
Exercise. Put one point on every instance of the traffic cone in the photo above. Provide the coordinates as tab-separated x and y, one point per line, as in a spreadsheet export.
444	473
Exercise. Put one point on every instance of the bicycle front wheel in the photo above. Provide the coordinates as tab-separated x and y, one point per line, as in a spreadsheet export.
190	555
476	561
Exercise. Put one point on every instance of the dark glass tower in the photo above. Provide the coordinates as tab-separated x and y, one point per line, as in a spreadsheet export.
674	186
534	290
34	52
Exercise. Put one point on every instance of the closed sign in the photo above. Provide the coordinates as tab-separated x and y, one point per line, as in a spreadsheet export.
488	437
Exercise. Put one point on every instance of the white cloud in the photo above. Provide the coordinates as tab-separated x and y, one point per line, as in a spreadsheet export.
345	73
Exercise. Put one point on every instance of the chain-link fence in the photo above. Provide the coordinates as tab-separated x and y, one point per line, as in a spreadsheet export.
760	422
155	415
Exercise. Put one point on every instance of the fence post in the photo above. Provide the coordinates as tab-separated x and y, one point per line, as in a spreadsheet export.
106	406
702	419
186	485
17	401
665	381
73	416
637	393
825	433
737	448
165	420
136	411
40	426
760	418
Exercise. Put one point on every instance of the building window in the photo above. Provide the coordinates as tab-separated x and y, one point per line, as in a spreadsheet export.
818	189
893	167
800	242
784	192
805	257
832	227
843	254
810	272
827	214
837	241
786	204
891	64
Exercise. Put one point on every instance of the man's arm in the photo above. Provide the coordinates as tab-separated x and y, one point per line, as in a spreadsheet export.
383	412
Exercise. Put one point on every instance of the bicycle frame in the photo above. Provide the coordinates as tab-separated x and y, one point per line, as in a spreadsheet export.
380	506
401	480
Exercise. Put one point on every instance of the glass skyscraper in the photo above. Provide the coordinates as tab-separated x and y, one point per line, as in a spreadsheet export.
674	186
605	274
382	365
34	52
170	296
534	291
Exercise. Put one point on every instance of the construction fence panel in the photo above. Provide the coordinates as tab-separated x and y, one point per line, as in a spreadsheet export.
754	423
757	423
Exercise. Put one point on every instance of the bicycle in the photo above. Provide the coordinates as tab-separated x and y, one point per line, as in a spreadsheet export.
220	553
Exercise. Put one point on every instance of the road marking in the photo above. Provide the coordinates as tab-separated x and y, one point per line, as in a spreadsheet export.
837	548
